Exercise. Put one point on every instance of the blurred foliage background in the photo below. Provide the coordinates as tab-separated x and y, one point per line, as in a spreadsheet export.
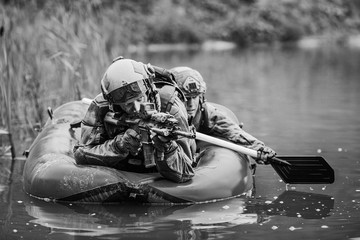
54	51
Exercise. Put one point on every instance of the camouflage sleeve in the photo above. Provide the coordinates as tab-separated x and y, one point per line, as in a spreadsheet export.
176	162
218	124
95	146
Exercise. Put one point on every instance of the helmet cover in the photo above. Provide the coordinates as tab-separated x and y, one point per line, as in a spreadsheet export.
125	80
189	80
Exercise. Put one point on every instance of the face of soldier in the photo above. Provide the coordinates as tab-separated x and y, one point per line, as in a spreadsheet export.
133	107
192	105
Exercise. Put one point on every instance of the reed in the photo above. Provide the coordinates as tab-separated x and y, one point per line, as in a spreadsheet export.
48	58
5	86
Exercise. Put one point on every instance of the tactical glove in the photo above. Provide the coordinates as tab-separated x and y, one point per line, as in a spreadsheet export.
128	142
162	143
264	153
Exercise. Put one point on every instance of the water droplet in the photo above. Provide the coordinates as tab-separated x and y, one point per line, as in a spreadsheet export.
226	207
274	227
324	226
319	150
340	149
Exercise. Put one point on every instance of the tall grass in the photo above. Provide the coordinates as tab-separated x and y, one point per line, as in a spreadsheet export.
48	58
5	86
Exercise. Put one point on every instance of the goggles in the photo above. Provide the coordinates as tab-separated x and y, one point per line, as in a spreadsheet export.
129	92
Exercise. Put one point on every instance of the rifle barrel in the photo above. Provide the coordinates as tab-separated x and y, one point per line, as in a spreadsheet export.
184	134
168	132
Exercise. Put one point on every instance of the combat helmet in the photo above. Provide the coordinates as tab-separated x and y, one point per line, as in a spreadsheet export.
126	80
190	81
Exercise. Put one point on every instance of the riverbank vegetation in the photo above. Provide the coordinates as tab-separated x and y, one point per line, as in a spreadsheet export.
55	51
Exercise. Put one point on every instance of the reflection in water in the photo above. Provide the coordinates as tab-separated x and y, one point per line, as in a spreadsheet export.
98	220
10	189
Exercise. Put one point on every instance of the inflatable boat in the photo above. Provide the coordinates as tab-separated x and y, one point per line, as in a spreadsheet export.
51	173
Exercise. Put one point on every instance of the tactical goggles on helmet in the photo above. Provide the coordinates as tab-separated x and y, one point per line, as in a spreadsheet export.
129	92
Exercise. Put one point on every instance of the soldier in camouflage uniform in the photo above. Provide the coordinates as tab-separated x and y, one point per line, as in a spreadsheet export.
208	119
125	85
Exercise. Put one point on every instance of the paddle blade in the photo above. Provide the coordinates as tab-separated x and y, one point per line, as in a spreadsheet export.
304	170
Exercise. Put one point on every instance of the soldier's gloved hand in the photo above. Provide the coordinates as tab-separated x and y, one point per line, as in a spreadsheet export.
264	153
162	143
163	117
130	142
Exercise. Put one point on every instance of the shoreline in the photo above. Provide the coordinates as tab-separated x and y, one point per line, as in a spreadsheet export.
308	42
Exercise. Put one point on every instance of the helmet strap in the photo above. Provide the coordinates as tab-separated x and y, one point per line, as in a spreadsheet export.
202	100
104	91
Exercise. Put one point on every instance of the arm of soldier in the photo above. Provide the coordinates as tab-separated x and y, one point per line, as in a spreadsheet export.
95	147
221	125
217	123
172	162
102	154
174	158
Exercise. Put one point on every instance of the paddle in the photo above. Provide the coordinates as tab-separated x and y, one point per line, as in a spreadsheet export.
291	169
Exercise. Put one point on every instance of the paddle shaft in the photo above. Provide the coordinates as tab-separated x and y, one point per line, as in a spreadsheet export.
237	148
226	144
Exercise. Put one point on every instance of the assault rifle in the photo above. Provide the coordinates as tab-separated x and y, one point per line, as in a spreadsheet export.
149	121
